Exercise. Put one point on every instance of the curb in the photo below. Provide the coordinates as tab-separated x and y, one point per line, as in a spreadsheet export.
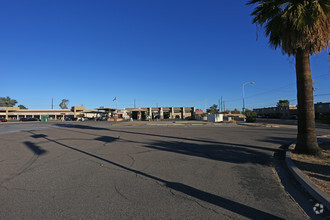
310	187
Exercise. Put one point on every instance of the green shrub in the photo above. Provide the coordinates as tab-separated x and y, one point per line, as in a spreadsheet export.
251	116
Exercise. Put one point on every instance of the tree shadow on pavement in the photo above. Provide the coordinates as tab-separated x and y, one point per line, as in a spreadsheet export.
216	200
279	140
85	127
215	150
221	152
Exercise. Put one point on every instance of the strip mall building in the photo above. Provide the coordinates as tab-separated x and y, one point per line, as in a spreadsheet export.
15	113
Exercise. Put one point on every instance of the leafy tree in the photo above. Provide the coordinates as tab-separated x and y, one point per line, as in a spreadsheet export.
22	107
64	104
301	29
7	102
283	103
236	111
213	109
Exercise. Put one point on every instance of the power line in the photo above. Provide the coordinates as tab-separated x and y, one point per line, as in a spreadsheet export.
326	94
271	90
282	87
322	76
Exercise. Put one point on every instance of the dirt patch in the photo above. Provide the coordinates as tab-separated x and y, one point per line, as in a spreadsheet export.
317	169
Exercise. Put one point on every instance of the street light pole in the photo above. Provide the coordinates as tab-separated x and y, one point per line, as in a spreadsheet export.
243	97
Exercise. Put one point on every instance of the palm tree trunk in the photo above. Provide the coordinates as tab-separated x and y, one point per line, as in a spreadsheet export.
306	140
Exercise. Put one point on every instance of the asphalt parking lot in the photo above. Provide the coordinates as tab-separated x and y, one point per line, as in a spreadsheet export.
107	171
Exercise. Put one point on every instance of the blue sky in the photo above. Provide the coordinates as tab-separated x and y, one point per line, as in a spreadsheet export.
165	53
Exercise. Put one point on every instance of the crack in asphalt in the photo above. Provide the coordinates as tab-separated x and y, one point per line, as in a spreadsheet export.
133	160
20	189
121	194
191	192
170	191
146	151
179	196
23	169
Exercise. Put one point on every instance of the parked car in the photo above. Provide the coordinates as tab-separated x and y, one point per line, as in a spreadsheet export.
29	119
3	120
32	119
70	119
84	119
103	118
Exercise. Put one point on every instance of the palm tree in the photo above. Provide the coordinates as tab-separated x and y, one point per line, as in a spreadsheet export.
300	28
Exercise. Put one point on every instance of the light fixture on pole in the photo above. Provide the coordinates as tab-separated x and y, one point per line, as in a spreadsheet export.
243	97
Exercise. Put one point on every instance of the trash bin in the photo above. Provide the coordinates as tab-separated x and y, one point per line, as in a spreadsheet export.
44	118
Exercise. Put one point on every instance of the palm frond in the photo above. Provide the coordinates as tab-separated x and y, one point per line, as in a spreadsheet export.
294	24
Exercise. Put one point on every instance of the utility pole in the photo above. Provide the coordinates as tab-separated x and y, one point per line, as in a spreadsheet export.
134	102
224	107
243	98
52	103
221	104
